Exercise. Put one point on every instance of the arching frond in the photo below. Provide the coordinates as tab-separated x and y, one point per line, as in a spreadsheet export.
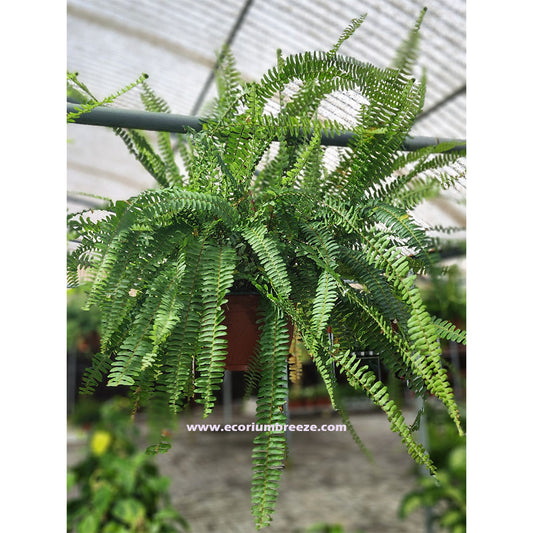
217	269
155	103
363	377
90	102
347	33
267	250
270	445
448	331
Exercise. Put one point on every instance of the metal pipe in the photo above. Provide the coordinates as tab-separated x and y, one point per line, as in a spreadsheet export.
148	120
227	397
138	120
441	103
424	441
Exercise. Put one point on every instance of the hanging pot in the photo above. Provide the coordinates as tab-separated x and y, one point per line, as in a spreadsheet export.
243	332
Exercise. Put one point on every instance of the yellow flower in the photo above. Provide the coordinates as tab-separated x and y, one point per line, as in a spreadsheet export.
100	442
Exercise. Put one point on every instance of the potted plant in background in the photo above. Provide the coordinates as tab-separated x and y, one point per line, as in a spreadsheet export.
114	487
82	326
258	208
445	296
447	498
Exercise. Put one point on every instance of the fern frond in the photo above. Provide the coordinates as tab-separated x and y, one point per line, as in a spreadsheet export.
154	103
183	342
94	374
93	103
407	52
292	174
374	283
118	301
347	33
314	172
266	248
168	285
448	331
339	72
155	319
326	290
154	208
127	290
384	123
322	359
422	338
138	145
405	231
252	375
217	277
229	84
364	378
359	321
106	249
417	191
270	445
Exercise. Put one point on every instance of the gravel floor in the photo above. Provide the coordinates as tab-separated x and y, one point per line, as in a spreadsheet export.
328	479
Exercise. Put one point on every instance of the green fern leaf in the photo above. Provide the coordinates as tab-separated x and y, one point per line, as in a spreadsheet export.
94	374
447	330
154	103
217	277
266	248
183	343
407	53
347	33
138	145
270	445
92	102
362	377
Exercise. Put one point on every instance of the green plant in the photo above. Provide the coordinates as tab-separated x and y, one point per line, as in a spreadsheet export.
257	205
82	326
86	412
446	296
445	494
119	489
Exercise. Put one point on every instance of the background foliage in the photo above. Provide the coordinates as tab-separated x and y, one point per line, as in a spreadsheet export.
117	489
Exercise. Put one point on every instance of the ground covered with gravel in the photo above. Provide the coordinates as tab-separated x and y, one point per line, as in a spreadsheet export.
328	479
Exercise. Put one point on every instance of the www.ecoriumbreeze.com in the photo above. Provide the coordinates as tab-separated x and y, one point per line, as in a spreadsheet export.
276	428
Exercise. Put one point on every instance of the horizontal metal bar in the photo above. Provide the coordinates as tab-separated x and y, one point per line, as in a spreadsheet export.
138	120
147	120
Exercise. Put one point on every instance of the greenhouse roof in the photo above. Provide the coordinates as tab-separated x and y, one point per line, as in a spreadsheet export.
110	44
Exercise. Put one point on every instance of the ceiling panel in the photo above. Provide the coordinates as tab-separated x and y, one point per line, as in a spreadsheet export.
110	43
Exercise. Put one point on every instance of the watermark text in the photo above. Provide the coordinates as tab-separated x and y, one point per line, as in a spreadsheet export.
274	428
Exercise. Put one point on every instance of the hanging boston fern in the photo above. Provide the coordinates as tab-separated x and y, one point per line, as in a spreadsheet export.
258	207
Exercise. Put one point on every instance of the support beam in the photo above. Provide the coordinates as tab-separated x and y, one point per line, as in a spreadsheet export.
146	120
227	43
461	90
